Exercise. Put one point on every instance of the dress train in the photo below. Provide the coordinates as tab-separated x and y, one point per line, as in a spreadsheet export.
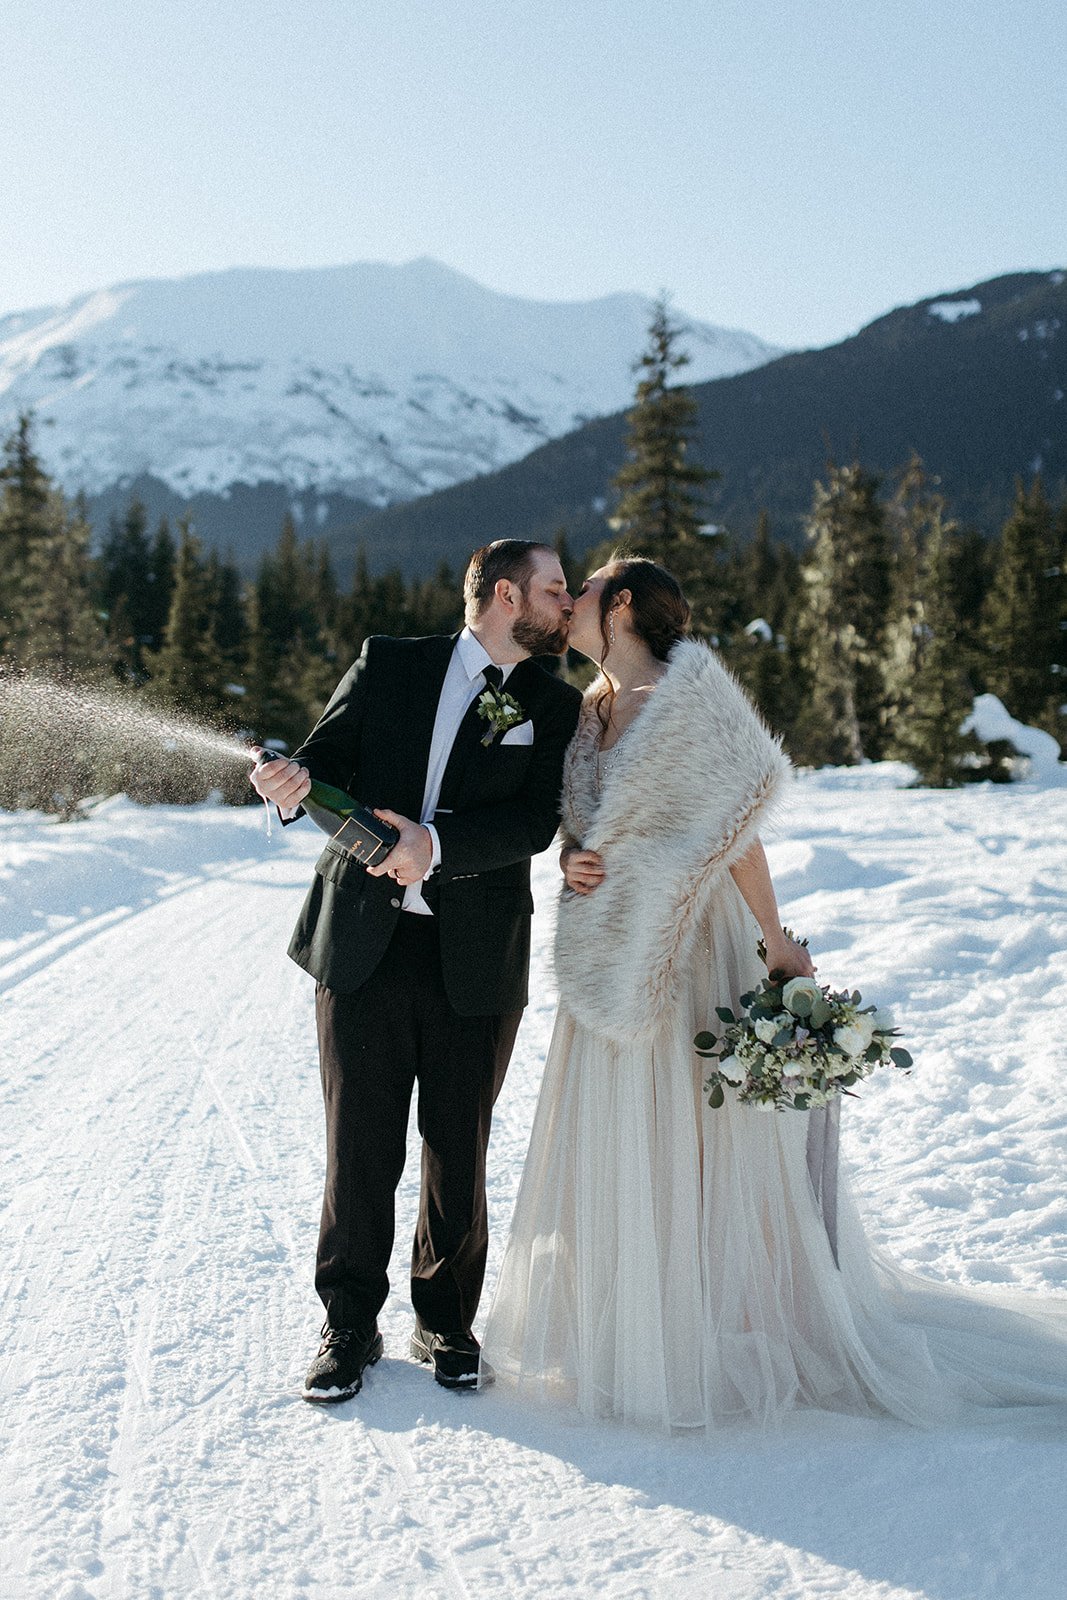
670	1265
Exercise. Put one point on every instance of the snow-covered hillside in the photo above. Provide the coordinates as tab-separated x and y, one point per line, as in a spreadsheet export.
160	1163
384	382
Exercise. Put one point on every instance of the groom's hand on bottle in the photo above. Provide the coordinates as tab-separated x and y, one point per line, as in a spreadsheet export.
283	783
409	859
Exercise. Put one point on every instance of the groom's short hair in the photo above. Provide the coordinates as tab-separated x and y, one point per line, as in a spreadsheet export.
504	558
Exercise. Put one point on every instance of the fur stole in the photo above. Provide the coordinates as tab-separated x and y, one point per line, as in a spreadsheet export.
682	801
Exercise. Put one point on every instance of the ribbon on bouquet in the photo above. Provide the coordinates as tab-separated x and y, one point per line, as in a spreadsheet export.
824	1137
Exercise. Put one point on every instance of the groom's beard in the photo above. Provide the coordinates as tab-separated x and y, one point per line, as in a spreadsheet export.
538	635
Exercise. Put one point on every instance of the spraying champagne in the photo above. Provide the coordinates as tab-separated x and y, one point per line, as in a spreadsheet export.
349	824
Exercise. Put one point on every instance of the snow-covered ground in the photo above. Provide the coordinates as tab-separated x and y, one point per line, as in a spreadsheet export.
160	1151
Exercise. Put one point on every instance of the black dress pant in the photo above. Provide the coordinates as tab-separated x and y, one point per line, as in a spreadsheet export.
374	1046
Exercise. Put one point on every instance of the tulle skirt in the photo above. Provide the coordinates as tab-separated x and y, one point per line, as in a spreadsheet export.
669	1264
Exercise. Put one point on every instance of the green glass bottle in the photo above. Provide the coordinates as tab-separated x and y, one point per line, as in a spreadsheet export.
364	835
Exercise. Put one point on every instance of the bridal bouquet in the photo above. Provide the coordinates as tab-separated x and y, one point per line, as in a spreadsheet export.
796	1045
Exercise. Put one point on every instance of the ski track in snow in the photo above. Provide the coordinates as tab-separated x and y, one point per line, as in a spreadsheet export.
160	1149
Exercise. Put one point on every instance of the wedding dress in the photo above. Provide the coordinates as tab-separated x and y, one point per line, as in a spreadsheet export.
669	1264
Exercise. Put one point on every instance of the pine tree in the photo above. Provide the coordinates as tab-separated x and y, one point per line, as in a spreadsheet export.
25	527
160	583
758	569
971	559
48	618
262	705
188	668
125	589
389	606
658	512
62	627
227	609
847	583
913	510
296	625
356	608
762	579
1020	628
573	569
930	692
435	605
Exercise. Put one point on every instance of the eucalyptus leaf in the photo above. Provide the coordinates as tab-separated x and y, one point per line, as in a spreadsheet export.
901	1058
716	1097
705	1041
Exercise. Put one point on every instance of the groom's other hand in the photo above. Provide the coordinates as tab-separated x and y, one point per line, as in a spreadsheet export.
582	869
283	783
410	858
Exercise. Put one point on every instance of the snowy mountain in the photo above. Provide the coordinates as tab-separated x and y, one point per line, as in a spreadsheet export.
378	382
974	380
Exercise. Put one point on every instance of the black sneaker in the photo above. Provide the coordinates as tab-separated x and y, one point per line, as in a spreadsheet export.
455	1358
337	1371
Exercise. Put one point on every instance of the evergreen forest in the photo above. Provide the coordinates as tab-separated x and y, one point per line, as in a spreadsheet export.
870	643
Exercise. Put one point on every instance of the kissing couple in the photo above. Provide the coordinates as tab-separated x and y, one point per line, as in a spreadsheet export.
667	1264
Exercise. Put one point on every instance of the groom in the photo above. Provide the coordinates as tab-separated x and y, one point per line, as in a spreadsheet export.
422	962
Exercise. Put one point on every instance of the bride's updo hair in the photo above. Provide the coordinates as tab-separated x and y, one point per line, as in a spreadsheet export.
659	612
658	609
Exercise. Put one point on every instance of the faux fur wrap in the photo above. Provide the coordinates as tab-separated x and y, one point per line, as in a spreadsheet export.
682	801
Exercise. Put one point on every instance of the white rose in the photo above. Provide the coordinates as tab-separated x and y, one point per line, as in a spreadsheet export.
766	1029
799	995
883	1020
731	1068
865	1024
850	1040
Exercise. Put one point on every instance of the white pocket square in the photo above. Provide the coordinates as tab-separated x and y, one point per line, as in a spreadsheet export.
523	734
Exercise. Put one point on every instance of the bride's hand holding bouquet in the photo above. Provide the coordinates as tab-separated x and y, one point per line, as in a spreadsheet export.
786	956
796	1044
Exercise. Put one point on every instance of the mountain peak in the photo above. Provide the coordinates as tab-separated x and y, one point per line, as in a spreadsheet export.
383	381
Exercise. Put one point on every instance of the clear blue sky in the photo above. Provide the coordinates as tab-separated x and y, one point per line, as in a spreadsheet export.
793	169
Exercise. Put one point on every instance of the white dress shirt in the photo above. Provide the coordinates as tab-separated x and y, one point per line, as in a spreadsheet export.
463	683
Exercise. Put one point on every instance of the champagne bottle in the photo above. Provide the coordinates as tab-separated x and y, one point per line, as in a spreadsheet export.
363	835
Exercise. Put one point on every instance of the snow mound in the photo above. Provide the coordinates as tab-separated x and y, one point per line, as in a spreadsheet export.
991	721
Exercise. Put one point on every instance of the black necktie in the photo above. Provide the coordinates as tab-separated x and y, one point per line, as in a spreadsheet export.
465	744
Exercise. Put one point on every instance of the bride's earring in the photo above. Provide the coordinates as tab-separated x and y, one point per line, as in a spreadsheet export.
611	627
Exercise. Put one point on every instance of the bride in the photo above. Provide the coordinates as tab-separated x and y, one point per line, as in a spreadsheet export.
670	1264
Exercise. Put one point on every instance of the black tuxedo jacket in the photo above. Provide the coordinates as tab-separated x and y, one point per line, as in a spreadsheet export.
499	805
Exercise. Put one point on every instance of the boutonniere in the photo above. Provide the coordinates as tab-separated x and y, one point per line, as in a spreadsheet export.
500	711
